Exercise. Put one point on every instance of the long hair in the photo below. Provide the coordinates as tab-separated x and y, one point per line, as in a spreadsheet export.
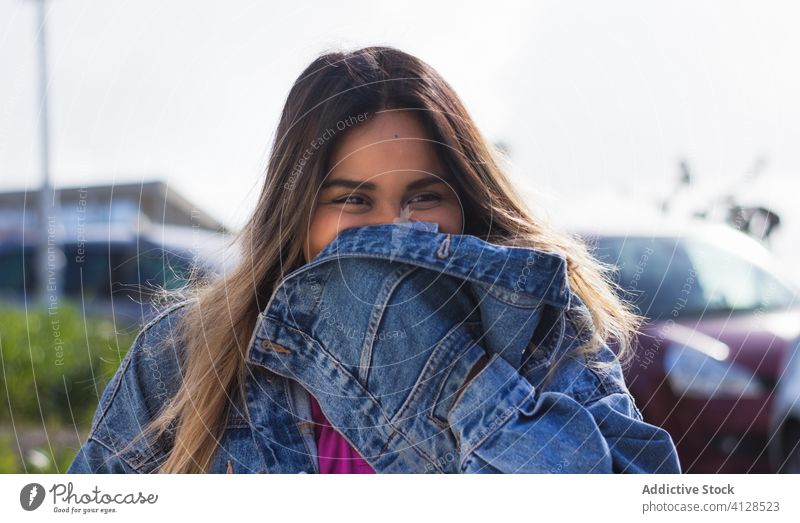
324	101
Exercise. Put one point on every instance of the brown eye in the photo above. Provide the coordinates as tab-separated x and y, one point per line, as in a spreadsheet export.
352	199
424	201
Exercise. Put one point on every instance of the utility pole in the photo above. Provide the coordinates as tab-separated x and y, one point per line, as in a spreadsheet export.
50	257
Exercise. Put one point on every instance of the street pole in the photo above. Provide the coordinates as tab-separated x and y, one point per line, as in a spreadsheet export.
49	251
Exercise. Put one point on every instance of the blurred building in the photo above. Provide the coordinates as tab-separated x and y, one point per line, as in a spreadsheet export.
113	245
153	200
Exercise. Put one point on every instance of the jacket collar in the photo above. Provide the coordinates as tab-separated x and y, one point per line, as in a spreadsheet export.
535	273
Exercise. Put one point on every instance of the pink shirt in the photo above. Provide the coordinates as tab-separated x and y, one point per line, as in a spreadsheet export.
336	456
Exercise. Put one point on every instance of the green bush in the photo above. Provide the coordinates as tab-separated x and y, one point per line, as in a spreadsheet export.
56	365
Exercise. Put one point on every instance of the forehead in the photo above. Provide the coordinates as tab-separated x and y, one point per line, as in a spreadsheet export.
394	140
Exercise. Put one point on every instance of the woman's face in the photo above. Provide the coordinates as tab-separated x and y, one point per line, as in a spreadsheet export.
383	171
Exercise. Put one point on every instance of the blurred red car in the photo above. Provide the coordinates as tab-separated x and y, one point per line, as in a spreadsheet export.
717	362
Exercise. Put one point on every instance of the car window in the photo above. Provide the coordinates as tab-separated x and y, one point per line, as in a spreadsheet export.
673	277
733	283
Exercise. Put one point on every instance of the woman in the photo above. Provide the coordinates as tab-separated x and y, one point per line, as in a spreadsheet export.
374	136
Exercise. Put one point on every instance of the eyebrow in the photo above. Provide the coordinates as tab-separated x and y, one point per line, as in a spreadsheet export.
370	186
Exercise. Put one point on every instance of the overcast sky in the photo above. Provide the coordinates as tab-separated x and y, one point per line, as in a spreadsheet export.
592	97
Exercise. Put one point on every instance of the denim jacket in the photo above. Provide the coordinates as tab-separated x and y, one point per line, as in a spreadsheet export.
371	301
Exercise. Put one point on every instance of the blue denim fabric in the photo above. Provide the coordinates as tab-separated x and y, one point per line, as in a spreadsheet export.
381	327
